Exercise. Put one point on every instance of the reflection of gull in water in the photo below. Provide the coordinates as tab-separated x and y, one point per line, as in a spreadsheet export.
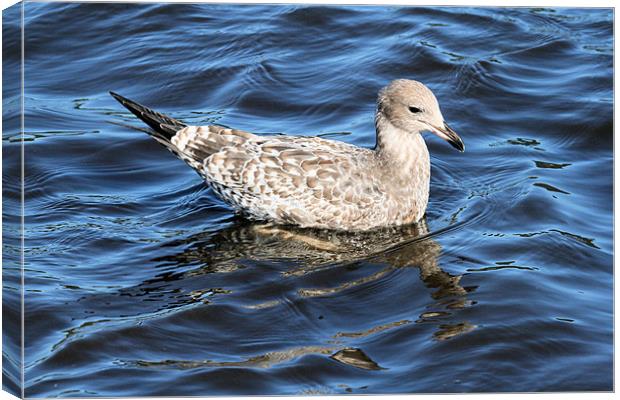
314	250
312	181
304	252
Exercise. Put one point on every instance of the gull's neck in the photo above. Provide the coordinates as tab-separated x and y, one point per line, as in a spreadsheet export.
404	162
405	151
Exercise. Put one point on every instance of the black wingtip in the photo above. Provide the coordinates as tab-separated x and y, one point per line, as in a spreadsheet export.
162	124
118	97
137	109
125	101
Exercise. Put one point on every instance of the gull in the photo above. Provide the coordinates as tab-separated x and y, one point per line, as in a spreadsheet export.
314	182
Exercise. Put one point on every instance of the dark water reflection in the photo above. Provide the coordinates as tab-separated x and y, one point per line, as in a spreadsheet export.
139	281
312	252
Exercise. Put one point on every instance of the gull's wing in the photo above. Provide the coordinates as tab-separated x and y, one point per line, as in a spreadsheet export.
308	181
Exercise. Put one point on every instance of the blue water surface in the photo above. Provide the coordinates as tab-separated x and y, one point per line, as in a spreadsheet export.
139	281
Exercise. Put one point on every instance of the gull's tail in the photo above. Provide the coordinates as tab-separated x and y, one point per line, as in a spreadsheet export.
165	127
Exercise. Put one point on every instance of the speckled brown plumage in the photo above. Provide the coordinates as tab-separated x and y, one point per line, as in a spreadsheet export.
315	182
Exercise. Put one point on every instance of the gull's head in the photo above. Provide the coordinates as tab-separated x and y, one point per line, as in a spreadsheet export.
410	106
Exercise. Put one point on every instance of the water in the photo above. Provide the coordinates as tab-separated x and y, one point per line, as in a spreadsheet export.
140	282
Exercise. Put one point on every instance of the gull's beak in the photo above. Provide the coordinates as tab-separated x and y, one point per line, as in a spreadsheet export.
447	134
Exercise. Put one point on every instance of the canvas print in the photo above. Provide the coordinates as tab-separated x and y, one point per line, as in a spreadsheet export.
296	199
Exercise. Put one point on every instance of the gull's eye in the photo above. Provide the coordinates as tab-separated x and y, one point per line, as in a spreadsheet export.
415	110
